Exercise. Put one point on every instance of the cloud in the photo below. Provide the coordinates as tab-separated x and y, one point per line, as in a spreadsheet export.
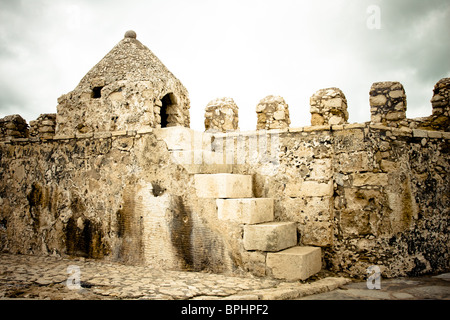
240	49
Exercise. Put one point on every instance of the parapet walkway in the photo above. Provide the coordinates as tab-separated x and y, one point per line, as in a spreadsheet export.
37	277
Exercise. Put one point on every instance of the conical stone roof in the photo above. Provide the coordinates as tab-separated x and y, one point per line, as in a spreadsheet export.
129	89
129	60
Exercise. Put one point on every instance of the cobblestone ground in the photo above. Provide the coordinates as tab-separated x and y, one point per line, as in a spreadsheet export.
38	277
405	288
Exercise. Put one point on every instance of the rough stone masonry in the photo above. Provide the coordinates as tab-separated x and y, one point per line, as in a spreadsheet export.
116	175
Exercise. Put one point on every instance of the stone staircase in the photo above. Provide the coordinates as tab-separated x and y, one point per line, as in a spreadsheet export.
235	203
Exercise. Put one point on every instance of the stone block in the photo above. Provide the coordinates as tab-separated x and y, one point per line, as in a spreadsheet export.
293	189
325	127
435	134
355	126
201	161
223	185
102	135
247	211
392	116
270	236
118	133
316	189
84	135
370	179
176	138
396	94
315	221
417	133
379	100
297	263
321	169
63	137
131	132
354	161
334	103
145	130
297	129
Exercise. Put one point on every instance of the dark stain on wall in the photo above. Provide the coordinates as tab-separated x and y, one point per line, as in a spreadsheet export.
84	237
181	232
129	230
36	202
86	241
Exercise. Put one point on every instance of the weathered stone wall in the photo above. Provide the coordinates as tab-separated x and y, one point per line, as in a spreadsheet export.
391	203
367	194
374	193
112	195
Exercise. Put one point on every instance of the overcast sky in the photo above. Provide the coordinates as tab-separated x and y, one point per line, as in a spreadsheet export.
244	49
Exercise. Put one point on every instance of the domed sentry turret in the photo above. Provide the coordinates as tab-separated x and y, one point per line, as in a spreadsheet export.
129	89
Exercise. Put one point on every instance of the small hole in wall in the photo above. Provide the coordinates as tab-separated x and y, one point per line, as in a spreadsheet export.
97	92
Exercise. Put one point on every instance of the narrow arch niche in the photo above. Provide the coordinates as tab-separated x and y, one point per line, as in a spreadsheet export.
169	103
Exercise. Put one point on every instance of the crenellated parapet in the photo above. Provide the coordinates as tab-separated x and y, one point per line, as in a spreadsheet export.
43	126
388	104
272	113
440	117
13	126
221	114
328	106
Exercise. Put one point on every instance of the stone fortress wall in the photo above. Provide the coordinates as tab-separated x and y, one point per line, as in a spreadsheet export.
374	193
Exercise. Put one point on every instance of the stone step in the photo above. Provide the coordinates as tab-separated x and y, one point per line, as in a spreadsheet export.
270	236
296	263
201	161
223	185
245	211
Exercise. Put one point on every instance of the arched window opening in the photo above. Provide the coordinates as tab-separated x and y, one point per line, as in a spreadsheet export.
168	103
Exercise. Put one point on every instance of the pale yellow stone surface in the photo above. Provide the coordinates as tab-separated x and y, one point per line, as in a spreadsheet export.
297	263
248	211
223	185
270	236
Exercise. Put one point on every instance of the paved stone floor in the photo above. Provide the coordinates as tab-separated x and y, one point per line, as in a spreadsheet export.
37	277
404	288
